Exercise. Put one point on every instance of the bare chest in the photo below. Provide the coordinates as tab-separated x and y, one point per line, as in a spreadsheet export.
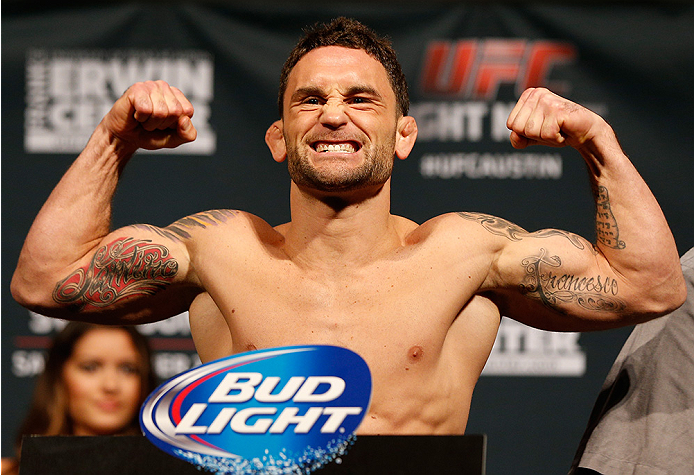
406	300
410	320
348	308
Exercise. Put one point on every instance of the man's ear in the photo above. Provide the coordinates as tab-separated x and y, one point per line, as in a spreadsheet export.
406	136
274	138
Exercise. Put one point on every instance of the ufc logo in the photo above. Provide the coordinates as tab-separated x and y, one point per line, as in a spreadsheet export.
476	68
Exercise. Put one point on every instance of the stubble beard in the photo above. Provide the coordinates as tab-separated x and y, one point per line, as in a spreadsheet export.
376	170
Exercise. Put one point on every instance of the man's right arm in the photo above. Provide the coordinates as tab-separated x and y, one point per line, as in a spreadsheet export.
71	264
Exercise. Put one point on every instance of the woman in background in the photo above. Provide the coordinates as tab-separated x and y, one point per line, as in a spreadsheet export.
94	382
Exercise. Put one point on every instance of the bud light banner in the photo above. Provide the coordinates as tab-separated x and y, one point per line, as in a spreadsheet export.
282	410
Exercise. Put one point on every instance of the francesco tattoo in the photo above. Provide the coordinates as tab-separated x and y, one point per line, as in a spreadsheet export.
544	281
124	268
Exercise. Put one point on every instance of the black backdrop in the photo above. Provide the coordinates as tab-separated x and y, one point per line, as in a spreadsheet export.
61	66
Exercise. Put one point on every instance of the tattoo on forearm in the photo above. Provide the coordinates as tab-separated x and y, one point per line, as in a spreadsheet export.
179	229
513	232
605	222
553	290
125	268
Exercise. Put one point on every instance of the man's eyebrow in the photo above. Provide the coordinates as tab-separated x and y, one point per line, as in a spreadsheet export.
363	89
307	91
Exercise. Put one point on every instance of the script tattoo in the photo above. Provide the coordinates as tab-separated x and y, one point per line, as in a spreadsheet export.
591	293
605	222
513	232
125	268
179	229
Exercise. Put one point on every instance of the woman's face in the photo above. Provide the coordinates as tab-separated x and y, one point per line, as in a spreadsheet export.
102	381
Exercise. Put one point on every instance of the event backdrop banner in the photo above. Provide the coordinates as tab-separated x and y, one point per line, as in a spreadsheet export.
467	64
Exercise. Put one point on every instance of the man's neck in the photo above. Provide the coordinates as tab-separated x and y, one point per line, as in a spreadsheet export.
350	229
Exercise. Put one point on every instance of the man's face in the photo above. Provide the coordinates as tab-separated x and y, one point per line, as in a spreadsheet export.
339	121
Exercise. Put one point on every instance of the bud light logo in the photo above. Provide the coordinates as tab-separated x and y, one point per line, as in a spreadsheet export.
278	411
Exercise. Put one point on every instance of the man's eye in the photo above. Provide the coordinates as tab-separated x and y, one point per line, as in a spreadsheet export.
359	100
312	101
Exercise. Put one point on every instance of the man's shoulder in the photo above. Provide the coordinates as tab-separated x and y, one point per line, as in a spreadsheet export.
468	221
464	228
212	224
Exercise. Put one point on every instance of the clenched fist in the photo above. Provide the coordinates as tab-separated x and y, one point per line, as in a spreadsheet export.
151	115
544	118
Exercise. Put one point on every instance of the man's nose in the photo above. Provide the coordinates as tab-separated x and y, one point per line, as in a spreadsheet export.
333	114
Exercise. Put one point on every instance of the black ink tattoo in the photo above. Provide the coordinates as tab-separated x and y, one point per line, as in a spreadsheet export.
497	226
125	268
591	293
605	223
513	232
178	230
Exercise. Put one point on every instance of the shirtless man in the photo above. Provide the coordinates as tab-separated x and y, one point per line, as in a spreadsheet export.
420	303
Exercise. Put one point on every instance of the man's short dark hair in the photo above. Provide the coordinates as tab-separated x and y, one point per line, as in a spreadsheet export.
349	33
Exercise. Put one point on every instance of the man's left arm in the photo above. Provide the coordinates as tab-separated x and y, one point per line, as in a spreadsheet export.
634	262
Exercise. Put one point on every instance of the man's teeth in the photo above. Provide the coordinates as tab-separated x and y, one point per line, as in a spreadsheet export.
338	147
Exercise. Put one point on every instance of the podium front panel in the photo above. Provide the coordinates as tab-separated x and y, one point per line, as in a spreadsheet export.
370	455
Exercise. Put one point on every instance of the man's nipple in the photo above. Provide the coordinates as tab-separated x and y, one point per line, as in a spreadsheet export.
415	353
414	356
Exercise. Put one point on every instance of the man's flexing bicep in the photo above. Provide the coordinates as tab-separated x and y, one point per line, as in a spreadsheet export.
135	274
123	268
553	279
112	282
637	249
